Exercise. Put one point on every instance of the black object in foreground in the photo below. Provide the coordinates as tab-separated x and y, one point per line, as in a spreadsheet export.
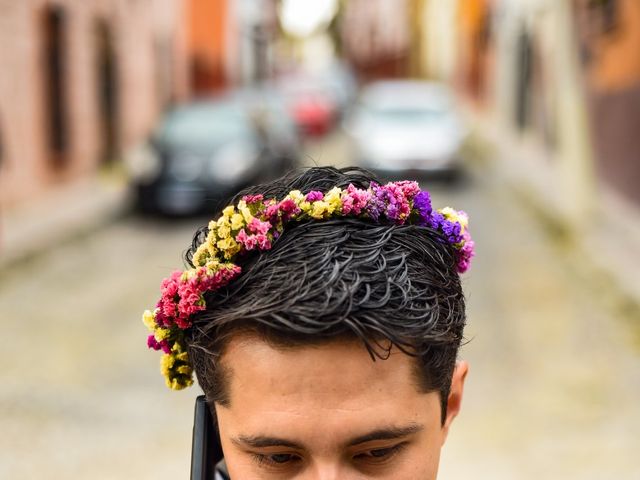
206	450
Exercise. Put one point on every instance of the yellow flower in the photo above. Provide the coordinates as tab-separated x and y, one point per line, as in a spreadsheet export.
223	222
210	243
228	211
161	334
296	196
176	368
237	221
334	199
213	266
228	246
223	231
202	254
246	213
305	206
149	319
319	209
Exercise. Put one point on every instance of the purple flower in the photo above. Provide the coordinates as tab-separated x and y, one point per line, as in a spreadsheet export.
422	204
389	200
314	196
452	231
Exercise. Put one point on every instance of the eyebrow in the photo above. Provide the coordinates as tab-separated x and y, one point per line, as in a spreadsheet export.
260	441
387	433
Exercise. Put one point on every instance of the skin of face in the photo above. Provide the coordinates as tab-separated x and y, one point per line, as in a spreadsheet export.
330	412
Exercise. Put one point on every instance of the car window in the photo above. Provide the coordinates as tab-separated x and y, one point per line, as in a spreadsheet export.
408	114
202	126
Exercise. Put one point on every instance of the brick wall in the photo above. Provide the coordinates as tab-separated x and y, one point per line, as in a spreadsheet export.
120	62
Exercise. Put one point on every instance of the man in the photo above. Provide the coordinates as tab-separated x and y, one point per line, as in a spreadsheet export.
323	317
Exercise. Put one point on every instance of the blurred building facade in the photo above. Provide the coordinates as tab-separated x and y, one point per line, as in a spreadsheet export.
84	80
229	42
556	82
609	45
376	37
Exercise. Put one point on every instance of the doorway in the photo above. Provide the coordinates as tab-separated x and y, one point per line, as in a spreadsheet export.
107	92
54	52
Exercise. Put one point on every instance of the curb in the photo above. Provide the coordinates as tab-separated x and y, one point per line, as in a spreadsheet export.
59	216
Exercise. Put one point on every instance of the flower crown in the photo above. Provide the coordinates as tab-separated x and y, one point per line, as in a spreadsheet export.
254	224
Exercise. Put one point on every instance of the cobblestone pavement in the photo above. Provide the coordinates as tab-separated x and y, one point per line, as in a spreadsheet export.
553	391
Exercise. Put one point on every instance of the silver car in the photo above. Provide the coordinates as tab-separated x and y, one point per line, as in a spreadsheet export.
399	126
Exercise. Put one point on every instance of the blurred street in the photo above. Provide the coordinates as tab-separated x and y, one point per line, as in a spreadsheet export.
123	123
552	393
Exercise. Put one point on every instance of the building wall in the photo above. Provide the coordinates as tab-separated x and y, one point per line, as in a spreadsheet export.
609	37
143	68
527	86
376	36
440	39
207	44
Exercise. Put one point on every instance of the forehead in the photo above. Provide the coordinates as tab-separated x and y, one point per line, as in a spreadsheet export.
331	387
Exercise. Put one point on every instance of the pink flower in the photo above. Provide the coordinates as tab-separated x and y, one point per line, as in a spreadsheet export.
162	345
168	308
355	200
409	188
271	212
259	226
466	253
263	241
246	240
288	208
252	241
249	199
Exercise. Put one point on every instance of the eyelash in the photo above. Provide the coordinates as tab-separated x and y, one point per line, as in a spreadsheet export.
368	456
266	460
387	454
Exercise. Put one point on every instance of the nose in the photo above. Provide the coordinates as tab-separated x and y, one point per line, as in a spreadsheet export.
328	471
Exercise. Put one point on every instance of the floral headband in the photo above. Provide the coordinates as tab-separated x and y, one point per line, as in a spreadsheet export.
254	224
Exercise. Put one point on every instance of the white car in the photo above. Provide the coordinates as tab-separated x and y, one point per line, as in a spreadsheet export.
399	126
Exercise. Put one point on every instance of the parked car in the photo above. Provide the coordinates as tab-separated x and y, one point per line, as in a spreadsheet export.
318	100
203	152
399	126
312	108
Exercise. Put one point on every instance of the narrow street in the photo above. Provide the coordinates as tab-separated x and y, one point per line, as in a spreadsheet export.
552	393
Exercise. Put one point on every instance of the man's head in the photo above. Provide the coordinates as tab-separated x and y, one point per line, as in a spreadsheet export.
333	354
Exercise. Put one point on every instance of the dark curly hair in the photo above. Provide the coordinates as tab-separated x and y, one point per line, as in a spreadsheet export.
385	285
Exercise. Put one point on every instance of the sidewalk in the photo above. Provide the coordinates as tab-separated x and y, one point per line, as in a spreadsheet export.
58	216
605	253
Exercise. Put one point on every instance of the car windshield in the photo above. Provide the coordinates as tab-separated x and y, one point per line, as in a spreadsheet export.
203	126
403	102
406	114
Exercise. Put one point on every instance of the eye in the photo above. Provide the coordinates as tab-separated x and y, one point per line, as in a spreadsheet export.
380	455
276	459
280	457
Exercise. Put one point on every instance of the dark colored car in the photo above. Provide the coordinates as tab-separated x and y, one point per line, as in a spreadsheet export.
205	151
